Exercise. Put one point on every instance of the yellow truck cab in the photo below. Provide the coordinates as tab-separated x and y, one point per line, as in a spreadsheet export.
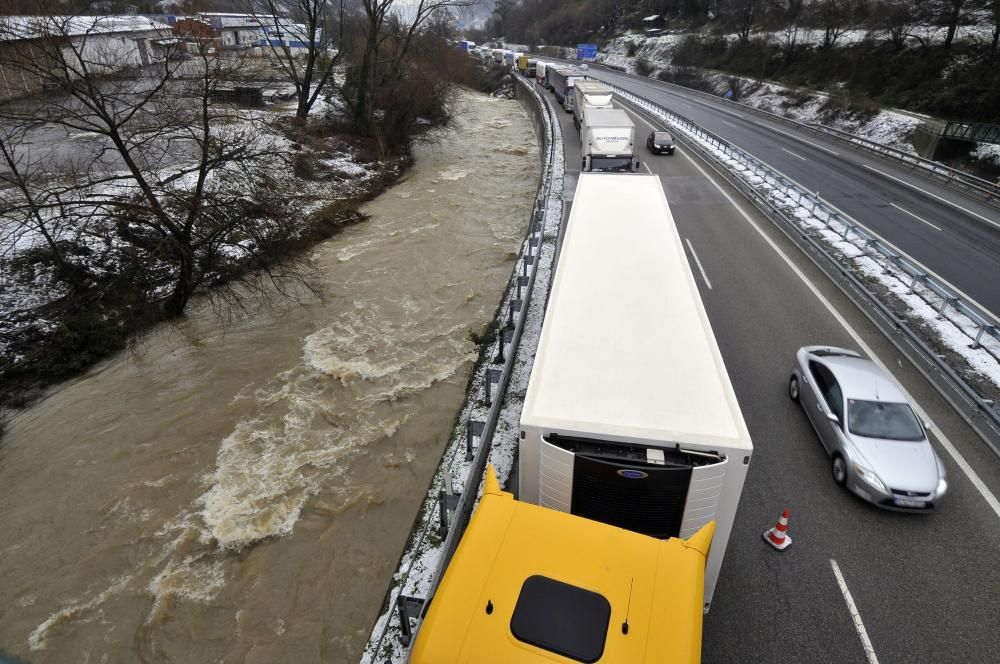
530	584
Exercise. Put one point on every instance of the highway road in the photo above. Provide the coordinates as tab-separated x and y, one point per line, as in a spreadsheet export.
858	584
954	236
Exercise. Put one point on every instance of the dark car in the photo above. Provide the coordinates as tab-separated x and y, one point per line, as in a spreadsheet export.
660	142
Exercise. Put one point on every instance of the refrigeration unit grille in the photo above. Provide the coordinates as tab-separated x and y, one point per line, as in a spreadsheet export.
642	498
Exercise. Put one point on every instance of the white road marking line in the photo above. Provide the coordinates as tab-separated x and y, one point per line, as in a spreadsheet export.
646	166
797	156
855	616
698	263
924	191
915	216
942	439
798	138
729	123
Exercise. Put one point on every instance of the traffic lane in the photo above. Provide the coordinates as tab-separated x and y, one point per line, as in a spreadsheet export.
974	451
930	188
790	469
969	254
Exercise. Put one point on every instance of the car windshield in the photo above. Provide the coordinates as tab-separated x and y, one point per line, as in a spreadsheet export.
877	419
662	137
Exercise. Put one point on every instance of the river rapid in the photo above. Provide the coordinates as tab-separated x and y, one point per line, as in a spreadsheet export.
242	493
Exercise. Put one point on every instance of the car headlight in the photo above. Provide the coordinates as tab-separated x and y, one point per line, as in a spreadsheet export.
942	487
870	477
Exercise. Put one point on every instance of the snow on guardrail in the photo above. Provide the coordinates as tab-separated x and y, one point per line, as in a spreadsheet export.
942	312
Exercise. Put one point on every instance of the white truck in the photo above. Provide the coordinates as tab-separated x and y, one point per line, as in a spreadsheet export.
540	72
589	94
607	141
630	417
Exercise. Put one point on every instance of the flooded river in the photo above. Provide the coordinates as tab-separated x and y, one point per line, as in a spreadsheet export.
242	494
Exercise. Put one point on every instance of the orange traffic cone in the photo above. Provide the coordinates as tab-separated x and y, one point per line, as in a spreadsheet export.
778	536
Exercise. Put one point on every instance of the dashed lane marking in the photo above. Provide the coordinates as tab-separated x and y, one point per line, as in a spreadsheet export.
920	219
698	263
859	625
797	156
935	196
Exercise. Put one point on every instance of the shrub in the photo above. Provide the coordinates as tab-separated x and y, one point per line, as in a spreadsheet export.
642	67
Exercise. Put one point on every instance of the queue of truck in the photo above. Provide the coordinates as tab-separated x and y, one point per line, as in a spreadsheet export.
632	449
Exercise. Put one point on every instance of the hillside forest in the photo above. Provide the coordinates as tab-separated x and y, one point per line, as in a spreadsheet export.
933	56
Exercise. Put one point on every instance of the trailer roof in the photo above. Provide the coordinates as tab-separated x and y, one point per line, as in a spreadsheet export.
616	117
530	584
626	348
591	86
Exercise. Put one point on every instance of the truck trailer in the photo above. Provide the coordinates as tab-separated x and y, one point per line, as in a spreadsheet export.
540	72
630	418
587	95
607	141
561	82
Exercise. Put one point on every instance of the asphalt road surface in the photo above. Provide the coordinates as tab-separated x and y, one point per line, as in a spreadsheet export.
922	588
954	236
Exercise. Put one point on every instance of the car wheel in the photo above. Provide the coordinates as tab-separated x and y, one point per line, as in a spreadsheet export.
793	388
839	468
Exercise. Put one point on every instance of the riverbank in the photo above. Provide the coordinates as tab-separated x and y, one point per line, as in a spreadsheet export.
242	492
49	332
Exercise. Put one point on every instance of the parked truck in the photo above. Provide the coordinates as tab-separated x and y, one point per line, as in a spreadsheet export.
540	67
526	66
561	82
589	94
630	417
607	141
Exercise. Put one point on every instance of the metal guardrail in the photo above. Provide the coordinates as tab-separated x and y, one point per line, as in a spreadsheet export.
777	196
975	187
454	509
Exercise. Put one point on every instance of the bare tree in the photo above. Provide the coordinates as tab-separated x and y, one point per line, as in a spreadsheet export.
952	16
742	16
996	26
897	19
832	16
176	187
309	22
387	32
790	18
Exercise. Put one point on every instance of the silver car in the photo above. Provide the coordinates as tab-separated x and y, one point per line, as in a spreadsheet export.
878	447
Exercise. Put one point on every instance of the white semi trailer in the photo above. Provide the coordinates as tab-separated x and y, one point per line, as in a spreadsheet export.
540	72
630	417
587	95
607	141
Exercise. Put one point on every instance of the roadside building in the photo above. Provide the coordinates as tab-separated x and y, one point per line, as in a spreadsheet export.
105	43
654	24
249	30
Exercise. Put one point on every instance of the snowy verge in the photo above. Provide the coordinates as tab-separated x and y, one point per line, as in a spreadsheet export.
421	563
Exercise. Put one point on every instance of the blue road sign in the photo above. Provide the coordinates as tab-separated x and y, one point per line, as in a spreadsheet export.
586	51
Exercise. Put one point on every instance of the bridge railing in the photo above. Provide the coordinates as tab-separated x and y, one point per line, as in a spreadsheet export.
834	240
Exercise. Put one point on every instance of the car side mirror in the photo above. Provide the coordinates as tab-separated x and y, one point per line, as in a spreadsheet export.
833	418
928	426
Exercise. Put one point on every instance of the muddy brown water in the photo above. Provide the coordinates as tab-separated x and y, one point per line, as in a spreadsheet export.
243	494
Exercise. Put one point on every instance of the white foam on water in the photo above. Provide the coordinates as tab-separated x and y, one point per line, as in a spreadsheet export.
453	173
74	611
